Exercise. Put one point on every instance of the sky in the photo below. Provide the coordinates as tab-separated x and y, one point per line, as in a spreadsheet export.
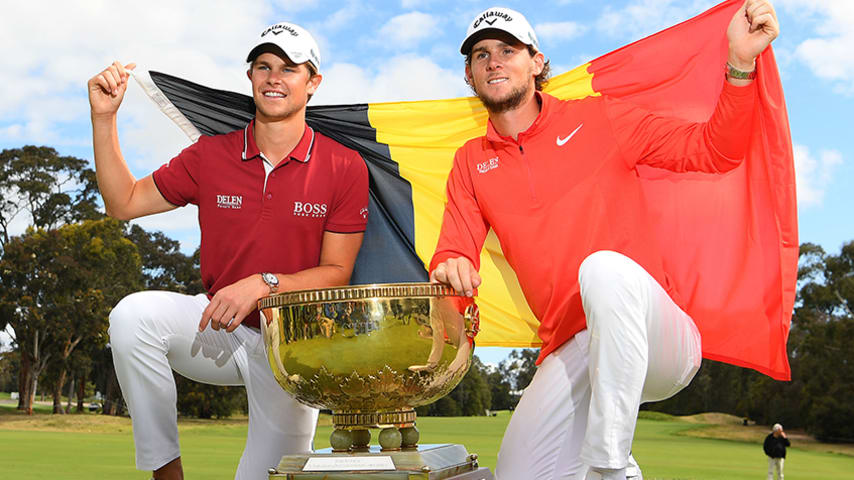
375	51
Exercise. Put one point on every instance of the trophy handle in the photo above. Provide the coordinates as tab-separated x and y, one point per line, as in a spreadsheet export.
472	320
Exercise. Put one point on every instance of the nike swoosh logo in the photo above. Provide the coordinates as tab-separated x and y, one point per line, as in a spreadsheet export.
562	141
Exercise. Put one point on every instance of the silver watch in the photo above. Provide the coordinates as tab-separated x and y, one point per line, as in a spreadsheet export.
271	280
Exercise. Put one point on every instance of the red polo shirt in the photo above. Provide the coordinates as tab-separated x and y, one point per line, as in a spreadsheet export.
248	227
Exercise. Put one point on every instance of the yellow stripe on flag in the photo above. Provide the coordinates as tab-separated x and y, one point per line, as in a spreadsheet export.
422	138
572	85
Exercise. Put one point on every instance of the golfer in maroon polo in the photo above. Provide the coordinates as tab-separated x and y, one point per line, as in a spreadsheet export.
281	207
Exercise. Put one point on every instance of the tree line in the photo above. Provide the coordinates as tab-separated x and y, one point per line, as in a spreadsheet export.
62	276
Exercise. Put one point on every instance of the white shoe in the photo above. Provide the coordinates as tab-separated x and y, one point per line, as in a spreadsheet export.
633	470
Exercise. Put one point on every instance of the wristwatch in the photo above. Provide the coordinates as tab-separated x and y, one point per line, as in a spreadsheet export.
733	72
271	280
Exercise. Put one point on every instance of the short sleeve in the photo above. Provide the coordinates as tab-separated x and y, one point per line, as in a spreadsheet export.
349	213
178	180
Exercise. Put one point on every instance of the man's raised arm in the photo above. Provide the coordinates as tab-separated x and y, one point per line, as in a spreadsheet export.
125	197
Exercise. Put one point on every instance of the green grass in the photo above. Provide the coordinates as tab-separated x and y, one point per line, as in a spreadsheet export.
94	446
668	450
208	453
8	405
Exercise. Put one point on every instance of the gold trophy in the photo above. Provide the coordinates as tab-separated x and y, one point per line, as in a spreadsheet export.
371	354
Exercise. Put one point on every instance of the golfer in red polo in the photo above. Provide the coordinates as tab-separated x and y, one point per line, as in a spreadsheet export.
281	207
557	184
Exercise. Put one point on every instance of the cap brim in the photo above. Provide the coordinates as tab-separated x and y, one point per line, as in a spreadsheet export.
266	48
277	50
479	35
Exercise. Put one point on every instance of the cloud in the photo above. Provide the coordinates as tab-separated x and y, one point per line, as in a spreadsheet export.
644	17
341	17
556	32
407	30
400	78
297	5
828	53
814	175
44	99
409	4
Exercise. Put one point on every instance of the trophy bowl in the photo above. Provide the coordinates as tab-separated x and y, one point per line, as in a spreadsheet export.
370	354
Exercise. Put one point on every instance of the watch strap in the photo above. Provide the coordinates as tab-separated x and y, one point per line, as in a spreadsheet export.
733	72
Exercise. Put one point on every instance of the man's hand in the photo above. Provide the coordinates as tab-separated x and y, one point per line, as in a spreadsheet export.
231	304
753	27
459	274
107	89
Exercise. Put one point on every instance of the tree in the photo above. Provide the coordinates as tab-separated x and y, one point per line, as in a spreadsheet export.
471	397
49	188
203	400
520	367
9	364
164	267
62	284
824	345
27	278
500	390
472	394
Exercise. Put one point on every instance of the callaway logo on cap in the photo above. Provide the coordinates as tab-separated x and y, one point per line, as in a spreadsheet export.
293	40
503	19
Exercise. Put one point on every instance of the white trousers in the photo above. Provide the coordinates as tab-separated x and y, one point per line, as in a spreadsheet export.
775	464
152	333
579	412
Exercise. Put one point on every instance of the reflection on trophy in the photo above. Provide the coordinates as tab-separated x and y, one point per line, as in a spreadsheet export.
371	354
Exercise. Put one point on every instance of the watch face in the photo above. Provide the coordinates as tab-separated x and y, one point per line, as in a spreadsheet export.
270	279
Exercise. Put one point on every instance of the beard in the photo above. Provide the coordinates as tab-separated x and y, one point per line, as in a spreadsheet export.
508	102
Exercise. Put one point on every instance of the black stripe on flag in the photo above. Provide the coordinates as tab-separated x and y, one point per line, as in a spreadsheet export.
388	250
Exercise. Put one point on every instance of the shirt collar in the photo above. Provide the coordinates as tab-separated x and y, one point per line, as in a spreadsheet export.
300	153
545	100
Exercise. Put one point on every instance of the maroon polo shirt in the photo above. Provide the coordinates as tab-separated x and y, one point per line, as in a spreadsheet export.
247	227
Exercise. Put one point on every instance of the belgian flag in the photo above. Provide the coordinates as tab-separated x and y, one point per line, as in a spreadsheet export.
731	240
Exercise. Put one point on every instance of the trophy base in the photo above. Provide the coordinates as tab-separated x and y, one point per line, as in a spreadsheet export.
426	462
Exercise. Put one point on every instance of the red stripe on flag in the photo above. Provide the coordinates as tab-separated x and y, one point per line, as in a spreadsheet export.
732	240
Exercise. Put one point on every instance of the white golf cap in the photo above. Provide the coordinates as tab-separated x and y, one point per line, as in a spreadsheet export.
502	19
293	40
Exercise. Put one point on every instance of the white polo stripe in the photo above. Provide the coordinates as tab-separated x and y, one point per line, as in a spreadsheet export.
143	79
245	140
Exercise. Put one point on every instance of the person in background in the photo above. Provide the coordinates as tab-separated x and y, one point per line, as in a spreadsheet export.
775	447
